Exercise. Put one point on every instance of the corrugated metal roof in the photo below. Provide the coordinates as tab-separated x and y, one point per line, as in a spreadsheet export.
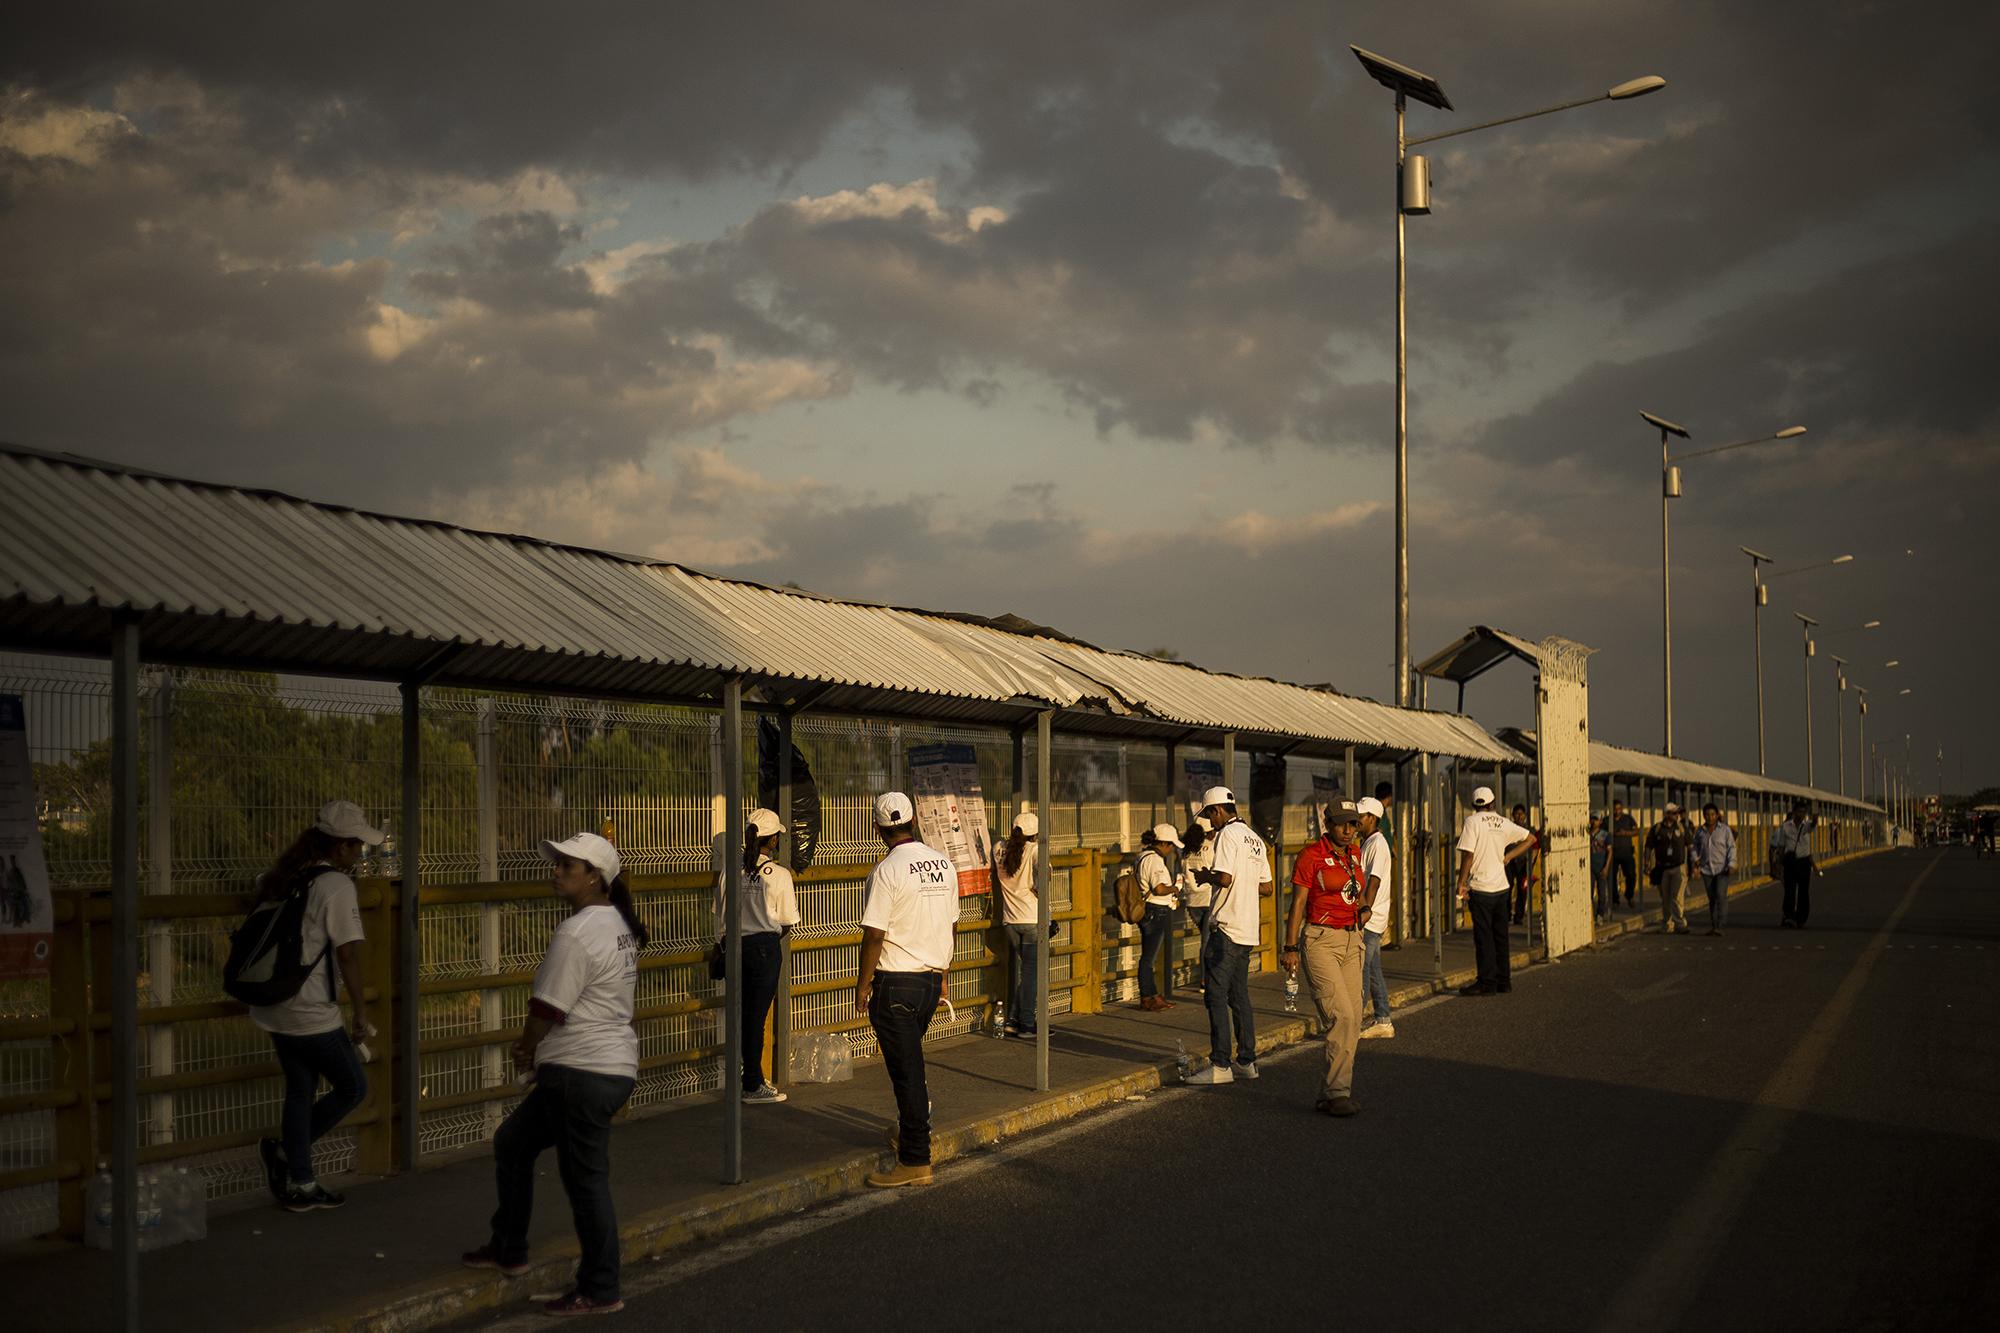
1618	761
1478	651
234	577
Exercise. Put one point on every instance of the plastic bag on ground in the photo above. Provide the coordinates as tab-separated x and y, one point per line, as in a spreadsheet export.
821	1057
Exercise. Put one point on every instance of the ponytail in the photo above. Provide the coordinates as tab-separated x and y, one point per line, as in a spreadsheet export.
621	898
1010	856
752	851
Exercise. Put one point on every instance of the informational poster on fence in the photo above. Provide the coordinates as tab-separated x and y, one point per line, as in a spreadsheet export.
27	919
1199	775
951	811
1324	790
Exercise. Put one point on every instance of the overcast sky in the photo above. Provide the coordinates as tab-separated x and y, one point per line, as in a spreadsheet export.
1079	311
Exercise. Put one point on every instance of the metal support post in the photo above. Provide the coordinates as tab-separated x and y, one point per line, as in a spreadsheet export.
781	1012
160	880
1402	686
1043	745
409	940
732	915
1229	761
492	1012
123	983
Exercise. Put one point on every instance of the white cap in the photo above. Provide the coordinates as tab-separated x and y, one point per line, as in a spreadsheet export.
1482	796
586	847
343	819
1368	805
893	808
1029	823
1168	834
1217	796
1673	809
1201	822
764	822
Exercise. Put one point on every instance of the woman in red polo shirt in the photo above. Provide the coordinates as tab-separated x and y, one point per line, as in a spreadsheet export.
1329	902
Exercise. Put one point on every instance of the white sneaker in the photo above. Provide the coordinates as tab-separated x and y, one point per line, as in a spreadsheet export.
1382	1029
764	1096
1211	1074
1243	1070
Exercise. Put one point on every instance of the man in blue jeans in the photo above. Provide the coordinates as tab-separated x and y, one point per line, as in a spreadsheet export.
1240	875
1156	927
1715	857
909	924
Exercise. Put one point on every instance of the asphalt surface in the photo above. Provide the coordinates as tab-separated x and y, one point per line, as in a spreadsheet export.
1774	1128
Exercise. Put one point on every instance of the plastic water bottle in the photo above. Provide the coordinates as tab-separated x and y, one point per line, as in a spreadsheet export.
1292	992
999	1028
149	1210
104	1190
1183	1060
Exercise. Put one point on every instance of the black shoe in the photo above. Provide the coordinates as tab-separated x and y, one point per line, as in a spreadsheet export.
1342	1107
275	1175
305	1198
1503	987
1476	988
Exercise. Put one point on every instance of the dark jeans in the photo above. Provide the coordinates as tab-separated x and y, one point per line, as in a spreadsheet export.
1718	898
1155	928
763	955
1023	994
1519	879
306	1060
1798	888
900	1009
569	1110
1489	936
1624	863
1599	869
1225	970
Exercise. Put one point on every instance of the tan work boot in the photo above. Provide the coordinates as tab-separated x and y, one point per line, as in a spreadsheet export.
899	1175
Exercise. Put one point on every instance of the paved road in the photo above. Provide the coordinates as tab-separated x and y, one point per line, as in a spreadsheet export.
1797	1130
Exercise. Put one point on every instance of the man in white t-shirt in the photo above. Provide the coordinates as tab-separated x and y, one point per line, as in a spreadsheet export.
1239	877
1375	864
909	925
1486	844
1156	927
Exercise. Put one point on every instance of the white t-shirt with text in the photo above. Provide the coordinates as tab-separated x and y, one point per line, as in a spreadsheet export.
1240	854
770	902
333	918
1157	880
1197	893
1017	891
1487	835
591	972
912	897
1375	861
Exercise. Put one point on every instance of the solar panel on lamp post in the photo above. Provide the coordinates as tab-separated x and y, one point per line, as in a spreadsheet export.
1413	196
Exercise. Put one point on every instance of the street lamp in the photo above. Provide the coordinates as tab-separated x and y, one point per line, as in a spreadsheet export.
1840	717
1807	622
1413	195
1760	598
1861	743
1670	488
1840	676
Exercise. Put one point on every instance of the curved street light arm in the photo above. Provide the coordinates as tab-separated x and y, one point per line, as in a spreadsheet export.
1789	433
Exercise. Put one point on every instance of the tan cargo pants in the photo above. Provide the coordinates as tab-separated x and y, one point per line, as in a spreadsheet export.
1333	971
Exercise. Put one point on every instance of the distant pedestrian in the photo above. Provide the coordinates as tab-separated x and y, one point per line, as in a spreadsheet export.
1624	856
306	1032
1014	868
1715	858
769	909
1793	846
1486	843
1600	865
1197	854
909	927
1324	930
1240	875
1521	873
1376	863
1669	849
581	1051
1156	927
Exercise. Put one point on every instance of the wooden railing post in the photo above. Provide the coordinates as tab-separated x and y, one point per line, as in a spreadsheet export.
1086	969
374	1142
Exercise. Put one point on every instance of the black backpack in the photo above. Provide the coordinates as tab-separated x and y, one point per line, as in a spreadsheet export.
265	966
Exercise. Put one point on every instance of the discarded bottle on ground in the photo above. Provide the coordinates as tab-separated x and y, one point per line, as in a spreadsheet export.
1291	992
1182	1059
999	1028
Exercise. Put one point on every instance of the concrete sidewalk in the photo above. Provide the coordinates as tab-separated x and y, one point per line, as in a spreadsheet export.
388	1260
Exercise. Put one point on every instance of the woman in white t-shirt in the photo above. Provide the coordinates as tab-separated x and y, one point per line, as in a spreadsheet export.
1014	872
306	1030
1198	854
581	1051
769	909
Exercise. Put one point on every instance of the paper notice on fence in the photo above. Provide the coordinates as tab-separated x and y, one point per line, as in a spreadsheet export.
27	919
1324	790
1199	775
951	811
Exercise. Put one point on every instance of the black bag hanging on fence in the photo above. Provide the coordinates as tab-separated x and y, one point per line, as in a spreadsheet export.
265	966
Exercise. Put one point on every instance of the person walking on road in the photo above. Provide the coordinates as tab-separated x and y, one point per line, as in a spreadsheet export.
1156	927
1486	843
1197	854
1330	889
1240	875
1376	860
1014	868
1793	846
1624	856
1521	873
580	1051
769	910
1600	865
305	1030
909	922
1669	848
1715	858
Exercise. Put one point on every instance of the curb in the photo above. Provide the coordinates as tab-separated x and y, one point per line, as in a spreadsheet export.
731	1209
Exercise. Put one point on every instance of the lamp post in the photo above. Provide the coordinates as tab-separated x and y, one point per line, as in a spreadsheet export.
1413	188
1808	622
1760	597
1861	742
1840	717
